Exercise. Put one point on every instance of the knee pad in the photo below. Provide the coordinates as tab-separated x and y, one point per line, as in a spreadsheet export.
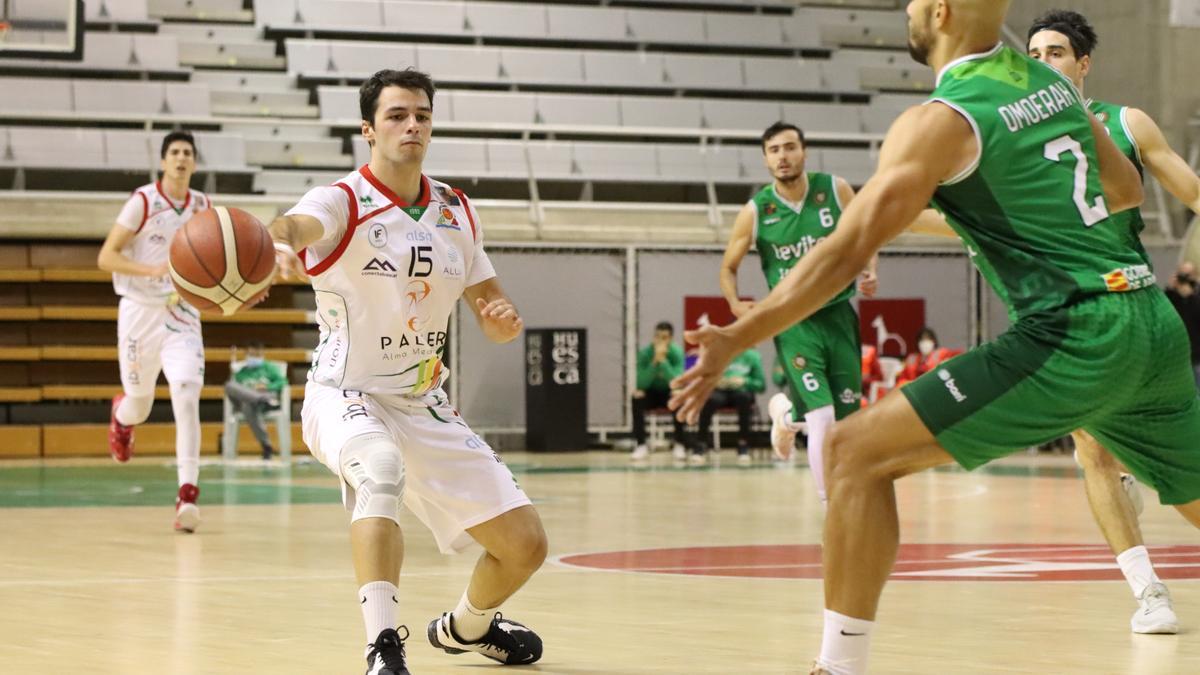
136	408
371	465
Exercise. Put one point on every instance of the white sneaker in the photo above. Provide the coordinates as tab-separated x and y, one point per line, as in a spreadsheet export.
679	452
783	435
1135	494
1155	614
640	452
744	460
698	460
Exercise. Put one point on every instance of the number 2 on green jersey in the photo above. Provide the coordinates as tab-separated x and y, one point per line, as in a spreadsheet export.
1091	213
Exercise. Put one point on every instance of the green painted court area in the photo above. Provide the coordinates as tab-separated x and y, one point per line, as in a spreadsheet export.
152	484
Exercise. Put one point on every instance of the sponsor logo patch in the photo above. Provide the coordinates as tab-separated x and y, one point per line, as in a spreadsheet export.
379	267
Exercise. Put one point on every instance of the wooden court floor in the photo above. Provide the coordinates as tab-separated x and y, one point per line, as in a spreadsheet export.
656	569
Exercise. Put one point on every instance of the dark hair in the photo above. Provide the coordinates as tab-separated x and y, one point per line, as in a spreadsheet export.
180	135
778	128
927	331
1072	24
409	78
664	325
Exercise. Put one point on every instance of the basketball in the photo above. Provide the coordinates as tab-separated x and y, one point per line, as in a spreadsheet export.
222	260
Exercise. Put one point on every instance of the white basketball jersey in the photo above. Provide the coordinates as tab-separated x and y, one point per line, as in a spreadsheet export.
154	217
387	276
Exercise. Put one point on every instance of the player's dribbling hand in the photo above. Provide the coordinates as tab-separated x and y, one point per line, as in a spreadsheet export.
499	319
692	389
287	264
868	284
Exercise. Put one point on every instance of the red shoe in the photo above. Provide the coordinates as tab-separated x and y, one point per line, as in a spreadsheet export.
187	514
120	437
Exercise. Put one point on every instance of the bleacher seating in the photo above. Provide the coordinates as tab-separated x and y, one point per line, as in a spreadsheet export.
693	75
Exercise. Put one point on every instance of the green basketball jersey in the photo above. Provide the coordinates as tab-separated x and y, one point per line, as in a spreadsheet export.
1114	119
785	232
1031	207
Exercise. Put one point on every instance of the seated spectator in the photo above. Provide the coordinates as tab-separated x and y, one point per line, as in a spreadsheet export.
739	383
927	357
872	372
1181	291
657	364
255	388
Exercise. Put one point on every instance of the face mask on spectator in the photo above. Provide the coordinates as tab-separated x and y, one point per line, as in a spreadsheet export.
254	360
925	346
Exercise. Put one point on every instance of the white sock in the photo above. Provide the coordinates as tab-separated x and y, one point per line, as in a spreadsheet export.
185	404
134	409
470	622
819	421
845	644
1135	565
379	607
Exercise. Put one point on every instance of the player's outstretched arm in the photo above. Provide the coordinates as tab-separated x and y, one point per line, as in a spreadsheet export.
1120	178
926	145
1164	163
291	234
740	240
111	259
497	315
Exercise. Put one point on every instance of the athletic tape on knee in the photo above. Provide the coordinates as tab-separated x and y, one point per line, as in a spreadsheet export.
134	409
372	465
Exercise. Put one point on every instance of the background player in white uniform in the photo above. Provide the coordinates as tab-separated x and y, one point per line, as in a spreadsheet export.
156	330
390	252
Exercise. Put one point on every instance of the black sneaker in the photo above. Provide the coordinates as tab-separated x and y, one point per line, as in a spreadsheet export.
386	656
506	641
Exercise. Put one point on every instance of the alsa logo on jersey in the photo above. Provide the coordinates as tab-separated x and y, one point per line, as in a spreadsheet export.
796	250
849	396
447	220
951	385
380	267
1129	279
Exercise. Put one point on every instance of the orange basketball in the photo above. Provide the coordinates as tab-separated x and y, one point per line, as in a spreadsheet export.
222	260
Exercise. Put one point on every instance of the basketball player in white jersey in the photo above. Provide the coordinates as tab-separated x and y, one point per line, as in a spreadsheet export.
390	252
156	330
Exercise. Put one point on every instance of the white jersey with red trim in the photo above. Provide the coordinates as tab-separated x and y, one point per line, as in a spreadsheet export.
387	276
154	217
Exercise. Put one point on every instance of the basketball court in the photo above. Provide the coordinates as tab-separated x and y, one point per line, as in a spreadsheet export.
654	569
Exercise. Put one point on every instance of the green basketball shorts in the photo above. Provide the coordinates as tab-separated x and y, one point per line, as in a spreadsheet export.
822	359
1117	366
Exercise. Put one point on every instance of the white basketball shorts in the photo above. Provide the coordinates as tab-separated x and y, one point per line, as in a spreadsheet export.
453	479
153	338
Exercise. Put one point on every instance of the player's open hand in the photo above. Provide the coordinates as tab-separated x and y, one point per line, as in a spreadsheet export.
499	319
868	283
692	389
287	264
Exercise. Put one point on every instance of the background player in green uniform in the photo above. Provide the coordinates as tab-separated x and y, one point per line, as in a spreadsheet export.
1027	178
821	356
1065	40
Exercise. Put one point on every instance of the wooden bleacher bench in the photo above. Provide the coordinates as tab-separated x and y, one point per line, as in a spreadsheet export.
20	353
20	394
20	313
20	275
106	353
103	392
86	313
82	275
